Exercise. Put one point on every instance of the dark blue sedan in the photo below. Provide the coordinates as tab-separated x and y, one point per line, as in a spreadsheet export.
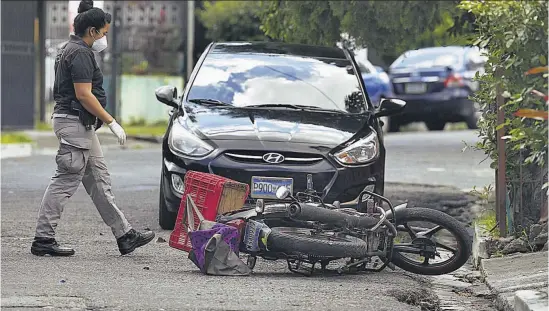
436	84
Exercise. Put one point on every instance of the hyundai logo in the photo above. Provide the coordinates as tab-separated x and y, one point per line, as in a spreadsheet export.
273	158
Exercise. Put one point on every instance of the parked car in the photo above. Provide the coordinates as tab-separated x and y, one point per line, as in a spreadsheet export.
378	84
269	114
436	84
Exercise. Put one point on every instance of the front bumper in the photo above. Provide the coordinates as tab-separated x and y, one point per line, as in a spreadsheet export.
331	180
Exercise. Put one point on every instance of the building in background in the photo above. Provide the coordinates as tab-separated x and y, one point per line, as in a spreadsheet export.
149	38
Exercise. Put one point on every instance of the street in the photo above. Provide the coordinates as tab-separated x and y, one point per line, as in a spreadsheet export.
157	277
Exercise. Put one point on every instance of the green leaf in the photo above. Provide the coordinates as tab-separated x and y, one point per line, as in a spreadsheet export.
543	60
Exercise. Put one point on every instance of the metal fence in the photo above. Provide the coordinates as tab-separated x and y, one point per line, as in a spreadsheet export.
520	198
145	38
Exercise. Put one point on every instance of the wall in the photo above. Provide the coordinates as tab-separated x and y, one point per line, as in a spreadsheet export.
18	64
138	100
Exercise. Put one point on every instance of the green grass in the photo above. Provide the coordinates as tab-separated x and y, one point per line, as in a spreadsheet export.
145	130
487	221
42	126
15	138
134	127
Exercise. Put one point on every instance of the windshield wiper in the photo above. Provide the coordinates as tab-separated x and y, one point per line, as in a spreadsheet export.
275	106
297	107
209	101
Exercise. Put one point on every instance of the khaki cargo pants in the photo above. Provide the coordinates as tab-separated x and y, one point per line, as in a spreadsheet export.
79	160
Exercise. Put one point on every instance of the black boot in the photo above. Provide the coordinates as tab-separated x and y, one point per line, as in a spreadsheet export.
49	246
132	240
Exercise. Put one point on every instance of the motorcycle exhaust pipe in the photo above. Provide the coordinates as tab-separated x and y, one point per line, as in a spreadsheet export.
307	212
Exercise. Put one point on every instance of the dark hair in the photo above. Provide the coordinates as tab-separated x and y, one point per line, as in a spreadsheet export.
88	16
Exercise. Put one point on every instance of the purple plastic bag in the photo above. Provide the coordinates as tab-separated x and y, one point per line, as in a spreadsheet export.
201	238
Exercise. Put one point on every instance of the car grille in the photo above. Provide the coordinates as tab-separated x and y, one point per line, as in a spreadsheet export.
320	179
290	158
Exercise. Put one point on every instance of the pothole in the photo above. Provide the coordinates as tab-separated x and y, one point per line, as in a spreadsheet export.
420	297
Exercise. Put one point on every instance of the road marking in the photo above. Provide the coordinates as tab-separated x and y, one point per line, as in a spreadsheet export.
436	169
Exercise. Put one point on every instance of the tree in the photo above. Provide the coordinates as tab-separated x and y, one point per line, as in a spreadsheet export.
515	36
231	20
391	27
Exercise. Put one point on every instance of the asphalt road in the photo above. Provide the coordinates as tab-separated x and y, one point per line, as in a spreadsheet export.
158	277
436	158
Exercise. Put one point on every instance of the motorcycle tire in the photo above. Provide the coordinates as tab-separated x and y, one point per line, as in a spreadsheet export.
449	223
291	240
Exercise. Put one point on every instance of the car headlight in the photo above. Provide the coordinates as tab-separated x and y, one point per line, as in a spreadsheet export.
183	142
360	152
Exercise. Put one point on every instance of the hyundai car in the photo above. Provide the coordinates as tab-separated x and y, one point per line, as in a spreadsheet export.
274	114
436	84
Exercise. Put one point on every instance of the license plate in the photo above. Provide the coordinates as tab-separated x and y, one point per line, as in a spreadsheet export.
265	187
415	88
252	235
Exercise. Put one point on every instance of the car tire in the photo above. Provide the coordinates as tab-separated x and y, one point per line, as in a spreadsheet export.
393	126
166	219
472	120
435	125
386	121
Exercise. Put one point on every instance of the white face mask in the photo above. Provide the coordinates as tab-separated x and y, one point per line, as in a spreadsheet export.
100	45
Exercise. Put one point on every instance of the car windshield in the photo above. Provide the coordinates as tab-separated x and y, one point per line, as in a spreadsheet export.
248	79
428	58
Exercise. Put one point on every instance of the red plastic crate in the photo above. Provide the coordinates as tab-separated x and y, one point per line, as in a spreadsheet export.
212	195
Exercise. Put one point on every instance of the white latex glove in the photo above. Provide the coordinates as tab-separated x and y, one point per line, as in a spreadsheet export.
118	131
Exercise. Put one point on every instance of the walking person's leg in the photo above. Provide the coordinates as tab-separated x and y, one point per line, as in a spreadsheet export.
97	182
71	159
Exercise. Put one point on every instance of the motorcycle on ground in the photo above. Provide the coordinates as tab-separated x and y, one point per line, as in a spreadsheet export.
357	237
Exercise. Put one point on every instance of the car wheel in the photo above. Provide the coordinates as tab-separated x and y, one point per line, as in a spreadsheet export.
472	120
393	126
385	121
166	219
435	125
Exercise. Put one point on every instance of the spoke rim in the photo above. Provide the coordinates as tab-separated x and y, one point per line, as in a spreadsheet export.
426	233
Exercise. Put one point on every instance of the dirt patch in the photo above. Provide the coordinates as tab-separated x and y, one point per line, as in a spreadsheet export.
450	200
419	297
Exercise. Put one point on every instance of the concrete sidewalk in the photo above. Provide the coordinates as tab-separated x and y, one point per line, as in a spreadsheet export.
46	143
518	280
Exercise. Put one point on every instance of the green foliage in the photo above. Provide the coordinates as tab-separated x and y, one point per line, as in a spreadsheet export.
515	34
439	35
14	138
231	20
391	27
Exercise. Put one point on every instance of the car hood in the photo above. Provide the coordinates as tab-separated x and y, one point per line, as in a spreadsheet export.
274	125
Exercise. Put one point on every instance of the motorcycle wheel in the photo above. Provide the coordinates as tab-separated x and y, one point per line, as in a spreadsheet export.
304	241
445	221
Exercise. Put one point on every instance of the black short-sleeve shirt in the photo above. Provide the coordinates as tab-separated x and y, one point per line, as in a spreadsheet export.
75	63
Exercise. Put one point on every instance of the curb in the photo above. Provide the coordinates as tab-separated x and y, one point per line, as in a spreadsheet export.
527	295
16	150
530	300
150	139
480	246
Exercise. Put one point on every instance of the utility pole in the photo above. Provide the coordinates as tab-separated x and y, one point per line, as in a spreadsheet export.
115	56
190	38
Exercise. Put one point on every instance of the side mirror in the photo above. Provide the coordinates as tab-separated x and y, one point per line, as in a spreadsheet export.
390	106
167	94
282	192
